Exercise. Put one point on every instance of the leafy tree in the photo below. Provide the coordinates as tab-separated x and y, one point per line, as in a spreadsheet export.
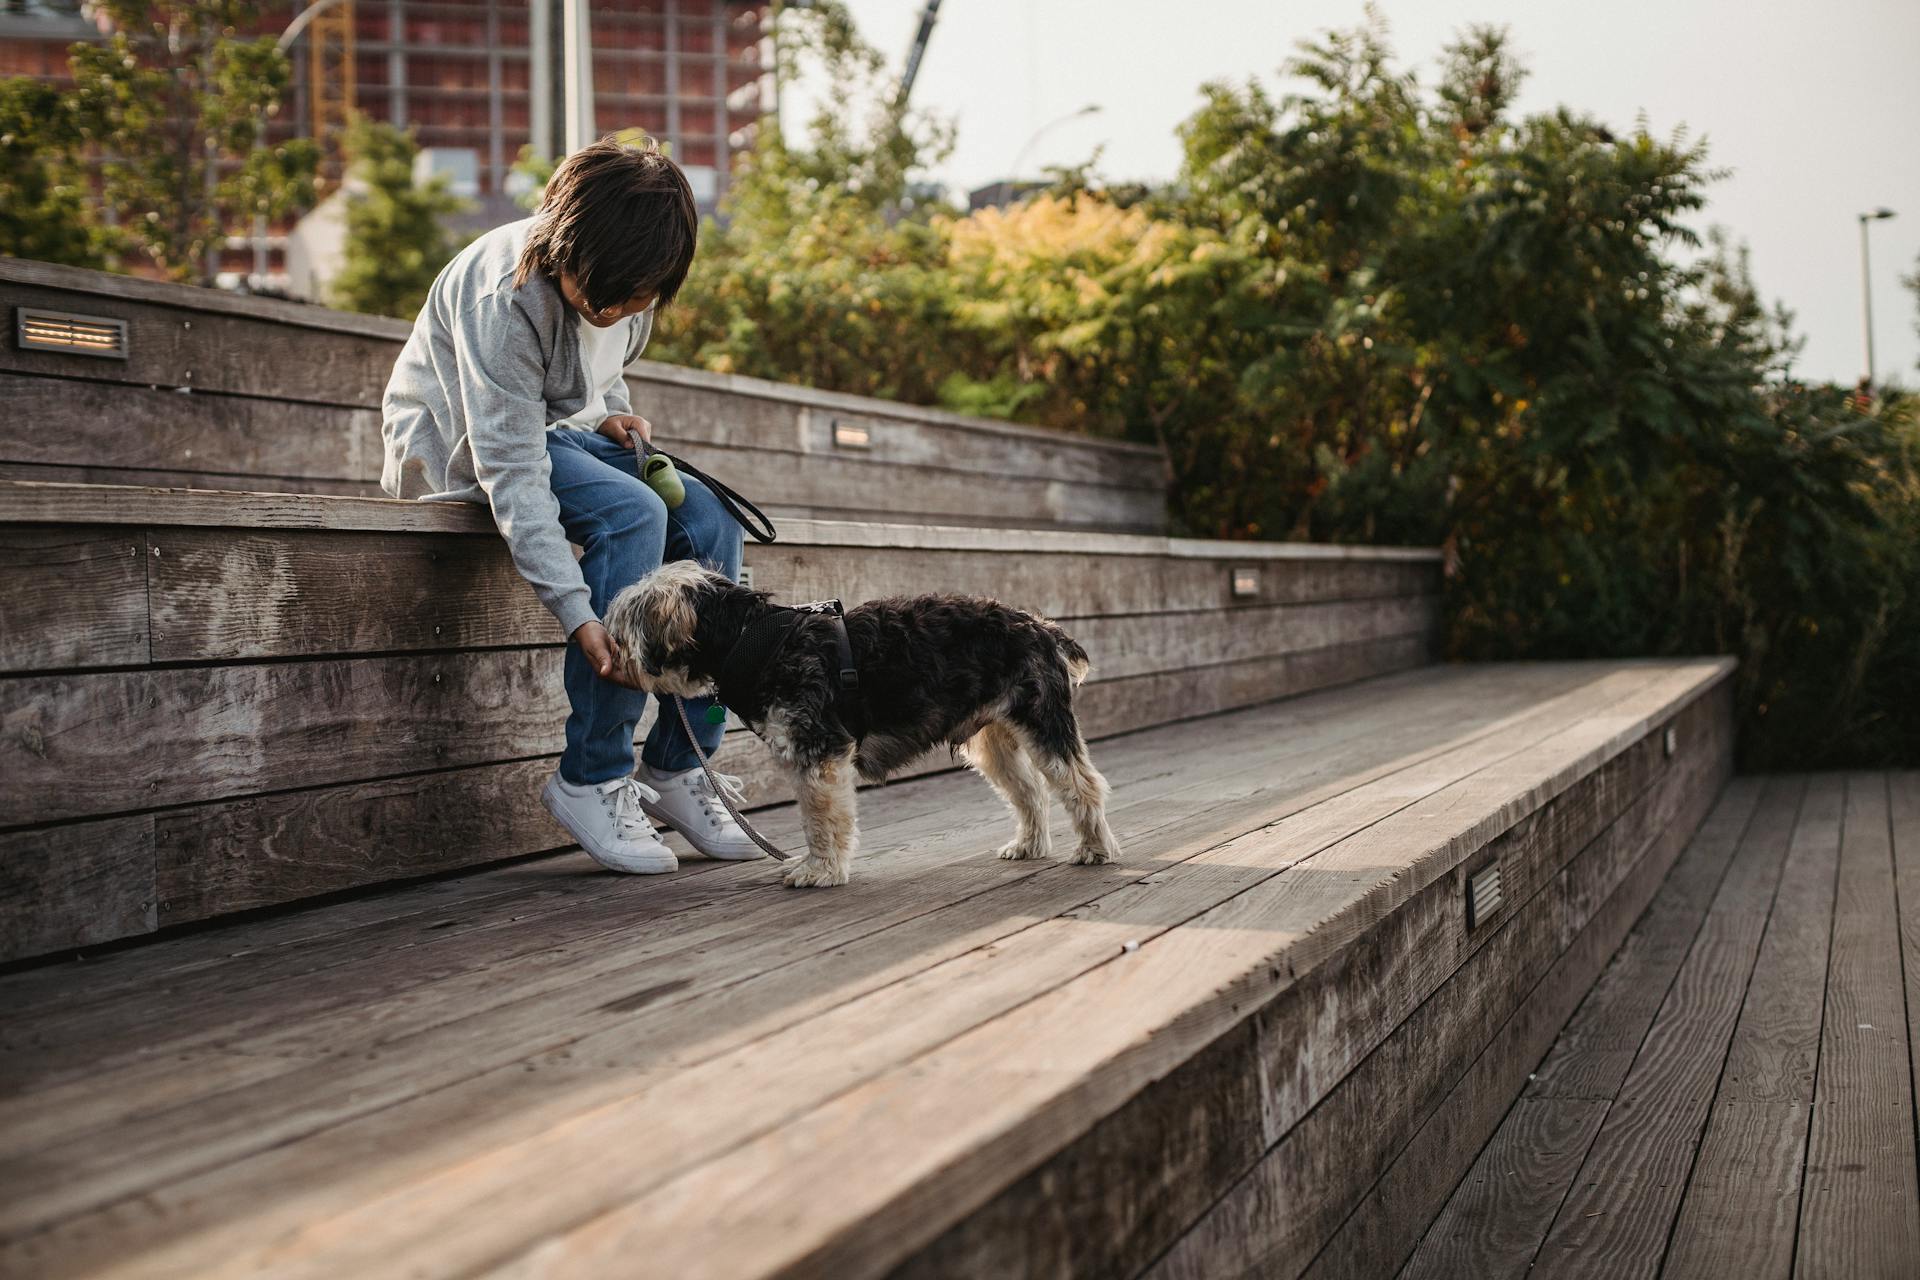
1371	311
173	100
43	187
397	240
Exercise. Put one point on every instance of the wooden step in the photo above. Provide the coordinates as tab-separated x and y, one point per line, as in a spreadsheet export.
230	392
1733	1097
1196	1062
220	701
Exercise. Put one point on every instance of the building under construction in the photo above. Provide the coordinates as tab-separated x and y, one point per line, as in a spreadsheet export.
477	80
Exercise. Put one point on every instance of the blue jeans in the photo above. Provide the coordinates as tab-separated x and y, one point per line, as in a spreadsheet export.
625	532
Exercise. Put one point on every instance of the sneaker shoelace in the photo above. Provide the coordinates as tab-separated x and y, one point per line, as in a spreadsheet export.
711	805
625	795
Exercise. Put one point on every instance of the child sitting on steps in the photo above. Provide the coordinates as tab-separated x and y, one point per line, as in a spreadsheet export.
510	392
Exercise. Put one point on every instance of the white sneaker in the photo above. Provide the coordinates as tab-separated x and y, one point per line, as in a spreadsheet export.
687	803
609	821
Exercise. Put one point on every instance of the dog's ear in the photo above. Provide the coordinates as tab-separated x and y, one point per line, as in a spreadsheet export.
670	609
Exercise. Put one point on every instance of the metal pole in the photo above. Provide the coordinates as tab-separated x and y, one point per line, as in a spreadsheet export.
579	76
1866	298
540	72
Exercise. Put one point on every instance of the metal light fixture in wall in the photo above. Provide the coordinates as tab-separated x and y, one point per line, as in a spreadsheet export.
1246	583
1483	895
65	333
851	435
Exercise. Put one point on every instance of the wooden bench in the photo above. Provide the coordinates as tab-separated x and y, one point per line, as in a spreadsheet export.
219	701
247	393
1267	1039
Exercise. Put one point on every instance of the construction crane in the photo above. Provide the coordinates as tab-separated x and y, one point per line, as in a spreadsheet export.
330	70
914	54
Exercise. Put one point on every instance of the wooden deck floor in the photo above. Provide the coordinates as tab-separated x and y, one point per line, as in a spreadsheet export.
1735	1096
542	1069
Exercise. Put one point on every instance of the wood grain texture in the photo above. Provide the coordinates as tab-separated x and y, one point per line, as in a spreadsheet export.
1860	1207
310	843
210	351
266	850
1282	1214
76	596
1275	751
448	1016
1620	1208
1388	1222
218	595
1001	973
70	422
977	1135
76	886
261	728
1285	1198
1742	1201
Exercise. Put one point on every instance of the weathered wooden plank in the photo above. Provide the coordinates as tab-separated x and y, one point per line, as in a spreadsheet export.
220	855
262	851
1620	1208
1384	1229
264	727
688	405
1493	1224
1135	764
34	473
218	595
569	965
70	422
1742	1202
76	596
1195	1147
75	886
1283	1212
863	1023
1860	1207
112	287
986	1119
168	346
22	502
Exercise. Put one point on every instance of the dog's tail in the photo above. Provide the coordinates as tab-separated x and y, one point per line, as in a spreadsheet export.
1078	663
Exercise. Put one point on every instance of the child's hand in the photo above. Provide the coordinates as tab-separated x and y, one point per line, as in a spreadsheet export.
628	429
602	652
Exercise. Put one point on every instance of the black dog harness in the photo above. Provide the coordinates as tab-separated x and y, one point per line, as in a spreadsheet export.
739	682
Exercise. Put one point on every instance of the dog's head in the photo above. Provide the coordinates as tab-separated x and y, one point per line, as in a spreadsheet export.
655	620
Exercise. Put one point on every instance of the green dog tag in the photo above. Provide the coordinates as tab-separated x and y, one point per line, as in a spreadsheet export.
716	714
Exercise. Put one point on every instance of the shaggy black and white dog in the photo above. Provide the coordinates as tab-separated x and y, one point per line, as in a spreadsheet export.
937	670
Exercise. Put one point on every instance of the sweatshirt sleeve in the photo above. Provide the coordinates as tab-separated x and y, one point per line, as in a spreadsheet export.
617	400
501	380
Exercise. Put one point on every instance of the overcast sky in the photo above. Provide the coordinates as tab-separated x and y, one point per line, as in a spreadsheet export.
1815	108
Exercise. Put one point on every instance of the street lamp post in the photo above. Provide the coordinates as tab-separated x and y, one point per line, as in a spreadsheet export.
1013	174
1866	286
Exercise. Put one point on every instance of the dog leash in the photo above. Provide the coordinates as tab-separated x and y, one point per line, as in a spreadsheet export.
774	850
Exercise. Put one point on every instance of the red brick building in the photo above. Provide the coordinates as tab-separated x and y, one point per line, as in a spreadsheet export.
463	75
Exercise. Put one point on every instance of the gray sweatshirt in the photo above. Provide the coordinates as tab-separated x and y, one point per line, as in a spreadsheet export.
487	368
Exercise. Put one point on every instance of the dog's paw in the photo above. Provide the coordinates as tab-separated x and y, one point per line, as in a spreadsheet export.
815	873
1093	855
1022	850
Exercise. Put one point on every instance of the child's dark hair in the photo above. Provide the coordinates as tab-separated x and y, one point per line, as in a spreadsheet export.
617	217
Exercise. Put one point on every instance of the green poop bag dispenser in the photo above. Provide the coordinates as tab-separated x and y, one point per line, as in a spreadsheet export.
658	471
